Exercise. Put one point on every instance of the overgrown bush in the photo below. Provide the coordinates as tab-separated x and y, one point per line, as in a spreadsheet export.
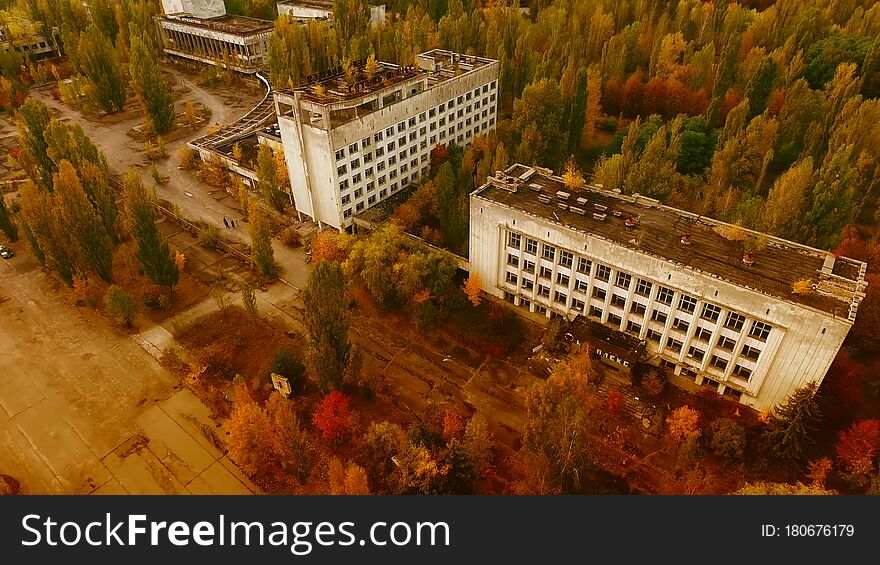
287	364
727	439
291	237
120	306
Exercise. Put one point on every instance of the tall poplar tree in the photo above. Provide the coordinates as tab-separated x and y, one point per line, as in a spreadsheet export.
149	85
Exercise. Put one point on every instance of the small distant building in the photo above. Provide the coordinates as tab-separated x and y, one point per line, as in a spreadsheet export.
35	47
715	315
322	10
200	30
349	147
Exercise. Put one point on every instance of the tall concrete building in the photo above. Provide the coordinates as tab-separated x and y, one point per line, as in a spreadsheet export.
350	146
200	30
714	314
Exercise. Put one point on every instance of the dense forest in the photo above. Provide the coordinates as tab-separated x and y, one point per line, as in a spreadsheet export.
762	113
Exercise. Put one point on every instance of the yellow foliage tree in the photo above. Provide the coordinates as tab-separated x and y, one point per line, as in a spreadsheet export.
683	423
179	260
572	177
803	286
472	287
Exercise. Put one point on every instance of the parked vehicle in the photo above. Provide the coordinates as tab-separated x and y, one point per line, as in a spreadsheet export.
5	252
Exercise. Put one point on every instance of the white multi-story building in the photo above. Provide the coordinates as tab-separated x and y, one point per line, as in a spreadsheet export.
710	312
323	10
349	145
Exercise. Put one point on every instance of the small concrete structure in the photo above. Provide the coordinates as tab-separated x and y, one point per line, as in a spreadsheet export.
323	10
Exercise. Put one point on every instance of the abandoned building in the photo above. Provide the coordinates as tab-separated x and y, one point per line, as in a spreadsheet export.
747	315
352	141
201	30
323	10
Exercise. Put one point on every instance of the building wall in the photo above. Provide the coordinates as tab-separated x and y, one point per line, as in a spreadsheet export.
198	8
248	53
348	185
798	349
377	13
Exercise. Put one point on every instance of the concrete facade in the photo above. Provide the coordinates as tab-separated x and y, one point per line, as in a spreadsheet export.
322	10
752	345
196	8
240	42
346	151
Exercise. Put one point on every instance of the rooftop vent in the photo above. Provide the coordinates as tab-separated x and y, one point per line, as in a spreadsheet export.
544	198
562	205
598	216
577	210
617	213
828	265
582	201
535	187
599	207
562	195
686	239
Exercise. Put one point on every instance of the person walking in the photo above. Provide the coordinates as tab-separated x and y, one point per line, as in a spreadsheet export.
225	222
233	223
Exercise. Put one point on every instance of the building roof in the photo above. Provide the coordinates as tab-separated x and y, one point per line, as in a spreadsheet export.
437	66
235	25
320	4
715	248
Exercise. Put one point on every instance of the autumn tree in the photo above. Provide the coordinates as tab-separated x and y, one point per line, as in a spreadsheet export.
683	424
32	121
727	439
262	254
154	254
382	442
329	245
326	321
79	219
785	203
95	58
7	223
249	301
792	423
270	179
350	479
472	287
49	244
555	430
332	417
149	85
763	488
857	449
760	86
269	441
572	176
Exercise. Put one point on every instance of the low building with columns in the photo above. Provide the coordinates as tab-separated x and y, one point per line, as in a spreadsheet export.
747	315
201	30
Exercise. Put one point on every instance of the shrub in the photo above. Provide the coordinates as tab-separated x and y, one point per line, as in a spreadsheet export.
653	383
120	306
287	364
187	157
291	237
208	235
727	439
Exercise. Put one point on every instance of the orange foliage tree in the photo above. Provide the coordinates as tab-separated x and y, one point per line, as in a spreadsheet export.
858	447
472	288
683	423
267	441
330	246
333	416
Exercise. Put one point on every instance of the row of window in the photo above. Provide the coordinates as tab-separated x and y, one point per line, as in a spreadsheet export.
687	304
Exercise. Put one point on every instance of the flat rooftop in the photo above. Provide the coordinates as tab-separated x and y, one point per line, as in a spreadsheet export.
715	248
236	25
331	86
320	4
